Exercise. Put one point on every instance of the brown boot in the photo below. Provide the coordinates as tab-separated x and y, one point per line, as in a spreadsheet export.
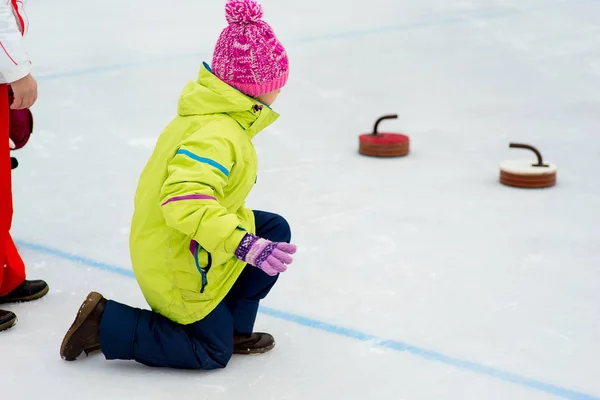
7	320
256	343
82	336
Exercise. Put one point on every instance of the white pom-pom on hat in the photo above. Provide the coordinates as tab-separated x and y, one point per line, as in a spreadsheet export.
243	11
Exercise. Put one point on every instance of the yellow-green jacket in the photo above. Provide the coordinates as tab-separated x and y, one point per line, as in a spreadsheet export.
189	205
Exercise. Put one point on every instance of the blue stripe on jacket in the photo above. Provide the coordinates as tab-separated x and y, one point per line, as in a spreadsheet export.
204	160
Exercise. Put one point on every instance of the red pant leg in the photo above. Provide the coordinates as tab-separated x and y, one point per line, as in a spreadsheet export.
5	178
12	269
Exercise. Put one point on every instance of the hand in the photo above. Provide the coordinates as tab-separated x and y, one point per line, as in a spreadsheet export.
25	93
271	257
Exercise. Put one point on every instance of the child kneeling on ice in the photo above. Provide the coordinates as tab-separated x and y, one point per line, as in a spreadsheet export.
202	259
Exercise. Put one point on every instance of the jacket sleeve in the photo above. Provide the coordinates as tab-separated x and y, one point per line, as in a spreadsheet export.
197	176
14	62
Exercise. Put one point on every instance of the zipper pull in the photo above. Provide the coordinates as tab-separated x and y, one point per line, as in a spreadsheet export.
204	281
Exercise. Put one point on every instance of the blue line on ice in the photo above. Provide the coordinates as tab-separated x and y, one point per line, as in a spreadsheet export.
326	37
351	333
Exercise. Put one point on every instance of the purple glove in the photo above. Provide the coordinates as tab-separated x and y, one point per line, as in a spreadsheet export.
271	257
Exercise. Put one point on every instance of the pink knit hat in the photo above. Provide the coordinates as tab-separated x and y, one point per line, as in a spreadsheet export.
248	56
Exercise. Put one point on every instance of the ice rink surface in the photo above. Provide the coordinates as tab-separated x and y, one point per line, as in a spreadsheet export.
417	278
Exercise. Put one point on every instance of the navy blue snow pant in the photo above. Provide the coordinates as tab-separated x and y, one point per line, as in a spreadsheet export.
128	333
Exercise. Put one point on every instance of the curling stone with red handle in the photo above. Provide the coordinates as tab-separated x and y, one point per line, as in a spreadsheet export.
385	144
527	174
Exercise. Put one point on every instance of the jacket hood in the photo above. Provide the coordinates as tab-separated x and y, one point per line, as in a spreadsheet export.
210	95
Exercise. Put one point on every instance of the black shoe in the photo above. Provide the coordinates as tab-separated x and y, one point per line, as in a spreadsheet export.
256	343
7	320
26	291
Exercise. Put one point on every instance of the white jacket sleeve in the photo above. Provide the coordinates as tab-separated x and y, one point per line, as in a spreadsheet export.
14	62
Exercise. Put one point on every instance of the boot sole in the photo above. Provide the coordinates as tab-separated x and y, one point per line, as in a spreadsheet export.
34	296
86	308
250	352
8	324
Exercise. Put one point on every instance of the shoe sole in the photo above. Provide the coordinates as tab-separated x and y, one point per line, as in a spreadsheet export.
251	352
86	308
8	324
34	296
